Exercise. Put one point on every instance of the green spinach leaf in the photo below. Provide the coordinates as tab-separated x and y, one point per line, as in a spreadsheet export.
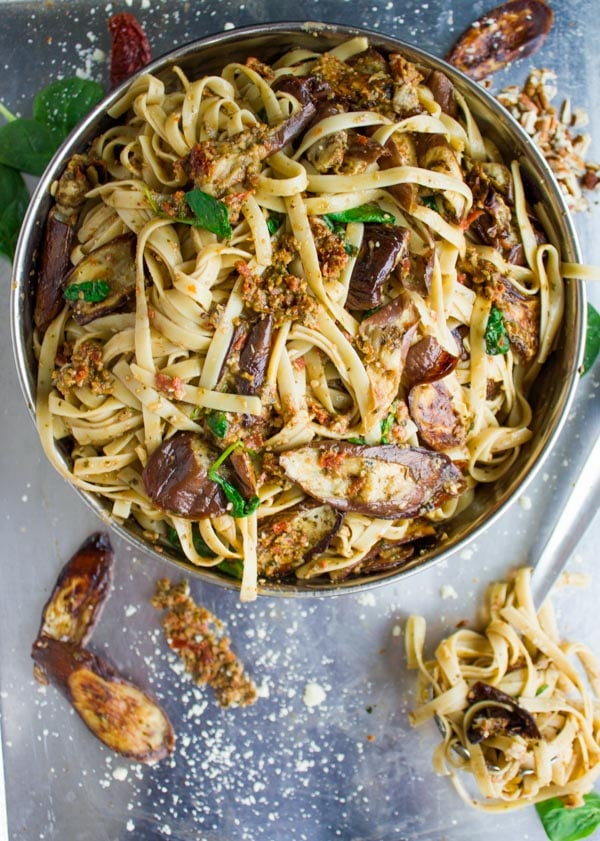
240	507
14	198
209	213
63	104
365	213
592	341
217	423
92	291
27	145
496	337
274	221
565	824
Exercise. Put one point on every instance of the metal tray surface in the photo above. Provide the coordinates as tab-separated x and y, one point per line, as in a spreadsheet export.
349	767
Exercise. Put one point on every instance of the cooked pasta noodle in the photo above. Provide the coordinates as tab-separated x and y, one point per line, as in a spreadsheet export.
547	681
316	252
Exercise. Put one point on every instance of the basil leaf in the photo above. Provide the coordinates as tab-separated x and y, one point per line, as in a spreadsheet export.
240	507
63	104
496	337
27	145
217	423
565	824
88	290
360	441
365	213
274	221
592	339
209	213
14	198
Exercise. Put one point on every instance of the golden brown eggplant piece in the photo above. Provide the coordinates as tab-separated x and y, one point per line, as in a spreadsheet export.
513	30
520	314
296	535
117	712
82	587
380	481
440	425
112	263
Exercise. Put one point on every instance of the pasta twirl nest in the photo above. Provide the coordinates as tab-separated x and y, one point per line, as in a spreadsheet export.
291	306
518	705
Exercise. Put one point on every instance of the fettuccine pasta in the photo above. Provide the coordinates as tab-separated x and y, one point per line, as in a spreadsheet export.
517	705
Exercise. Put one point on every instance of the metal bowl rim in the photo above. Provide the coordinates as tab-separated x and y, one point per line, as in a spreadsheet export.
22	268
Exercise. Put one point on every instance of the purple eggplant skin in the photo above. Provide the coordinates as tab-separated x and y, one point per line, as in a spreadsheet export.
443	92
304	88
55	264
496	718
292	127
382	249
254	358
245	474
80	592
385	481
176	478
427	361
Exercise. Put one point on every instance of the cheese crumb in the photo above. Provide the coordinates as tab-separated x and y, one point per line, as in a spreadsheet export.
314	694
448	592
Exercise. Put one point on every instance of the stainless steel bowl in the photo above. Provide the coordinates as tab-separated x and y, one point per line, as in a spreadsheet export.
554	389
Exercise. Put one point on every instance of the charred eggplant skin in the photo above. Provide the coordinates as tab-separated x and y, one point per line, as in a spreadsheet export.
513	30
382	248
176	478
427	361
254	358
80	592
385	481
121	715
502	715
54	267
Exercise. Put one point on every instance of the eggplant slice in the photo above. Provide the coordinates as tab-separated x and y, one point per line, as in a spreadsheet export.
113	263
176	478
383	247
295	536
494	713
380	481
117	712
82	587
440	425
513	30
54	266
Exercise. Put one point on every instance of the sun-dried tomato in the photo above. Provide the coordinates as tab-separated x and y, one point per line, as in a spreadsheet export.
130	48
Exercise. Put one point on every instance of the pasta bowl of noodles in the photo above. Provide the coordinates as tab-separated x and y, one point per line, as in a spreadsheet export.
289	309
